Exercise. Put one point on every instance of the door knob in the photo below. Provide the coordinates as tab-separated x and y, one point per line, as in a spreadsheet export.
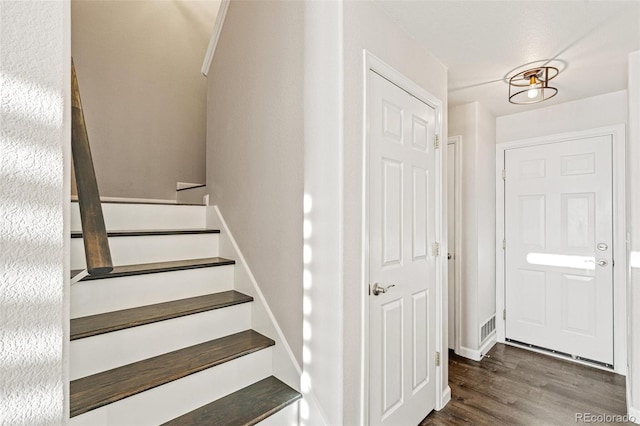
602	247
602	262
377	288
449	256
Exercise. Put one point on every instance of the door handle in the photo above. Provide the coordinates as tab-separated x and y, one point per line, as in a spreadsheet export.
377	288
449	256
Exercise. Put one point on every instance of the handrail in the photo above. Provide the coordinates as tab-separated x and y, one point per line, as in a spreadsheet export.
94	233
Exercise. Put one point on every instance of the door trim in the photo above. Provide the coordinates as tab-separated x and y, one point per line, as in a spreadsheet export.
617	133
457	142
373	63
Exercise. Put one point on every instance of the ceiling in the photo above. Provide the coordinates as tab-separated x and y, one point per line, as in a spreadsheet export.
484	42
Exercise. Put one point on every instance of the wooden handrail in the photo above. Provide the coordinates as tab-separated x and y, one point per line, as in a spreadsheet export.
94	233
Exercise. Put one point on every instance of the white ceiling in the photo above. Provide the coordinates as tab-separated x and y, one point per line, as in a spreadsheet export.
482	42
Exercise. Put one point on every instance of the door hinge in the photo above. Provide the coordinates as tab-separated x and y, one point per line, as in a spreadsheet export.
437	359
436	141
504	174
435	249
504	314
504	244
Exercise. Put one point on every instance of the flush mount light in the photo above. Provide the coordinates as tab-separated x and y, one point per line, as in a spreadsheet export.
532	86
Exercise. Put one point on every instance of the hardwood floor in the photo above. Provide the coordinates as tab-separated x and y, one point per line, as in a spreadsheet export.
513	386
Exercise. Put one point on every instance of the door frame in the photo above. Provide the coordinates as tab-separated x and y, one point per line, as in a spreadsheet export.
617	133
371	63
457	302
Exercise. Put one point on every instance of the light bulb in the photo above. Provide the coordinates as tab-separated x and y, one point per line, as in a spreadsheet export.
533	87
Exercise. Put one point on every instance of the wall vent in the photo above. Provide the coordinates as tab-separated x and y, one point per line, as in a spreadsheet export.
487	329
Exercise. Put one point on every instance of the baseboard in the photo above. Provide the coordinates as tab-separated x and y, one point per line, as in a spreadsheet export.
490	343
183	186
285	365
478	354
634	415
247	283
469	353
446	397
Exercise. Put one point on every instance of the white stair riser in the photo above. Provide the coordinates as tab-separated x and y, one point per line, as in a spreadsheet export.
145	216
113	294
288	416
106	351
171	400
153	248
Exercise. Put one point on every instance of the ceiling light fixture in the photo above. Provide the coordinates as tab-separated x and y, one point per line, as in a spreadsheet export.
532	86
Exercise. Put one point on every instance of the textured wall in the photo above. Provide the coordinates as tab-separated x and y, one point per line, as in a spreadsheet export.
143	94
34	49
255	147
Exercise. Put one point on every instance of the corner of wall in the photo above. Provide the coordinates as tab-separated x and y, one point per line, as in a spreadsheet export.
633	227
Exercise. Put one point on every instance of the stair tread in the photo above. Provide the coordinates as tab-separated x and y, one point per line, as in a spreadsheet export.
152	232
152	268
119	320
247	406
109	386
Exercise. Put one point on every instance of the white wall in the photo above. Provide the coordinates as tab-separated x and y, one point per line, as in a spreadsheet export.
34	143
322	381
633	218
367	27
486	204
144	97
589	113
475	124
255	163
255	139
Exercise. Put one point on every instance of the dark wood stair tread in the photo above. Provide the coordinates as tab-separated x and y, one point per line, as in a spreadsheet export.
109	386
152	268
119	320
152	232
245	407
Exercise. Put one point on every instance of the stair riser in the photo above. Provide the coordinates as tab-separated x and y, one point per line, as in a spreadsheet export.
145	216
288	416
112	294
173	399
110	350
149	249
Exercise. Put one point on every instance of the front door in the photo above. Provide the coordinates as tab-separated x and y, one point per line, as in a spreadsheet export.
401	264
559	247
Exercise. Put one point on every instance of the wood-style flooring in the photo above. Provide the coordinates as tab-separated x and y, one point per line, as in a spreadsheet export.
513	386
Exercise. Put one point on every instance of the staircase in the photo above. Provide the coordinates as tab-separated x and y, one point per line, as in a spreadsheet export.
165	338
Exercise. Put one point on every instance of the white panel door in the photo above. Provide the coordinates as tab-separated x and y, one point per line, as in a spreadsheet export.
402	229
559	253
